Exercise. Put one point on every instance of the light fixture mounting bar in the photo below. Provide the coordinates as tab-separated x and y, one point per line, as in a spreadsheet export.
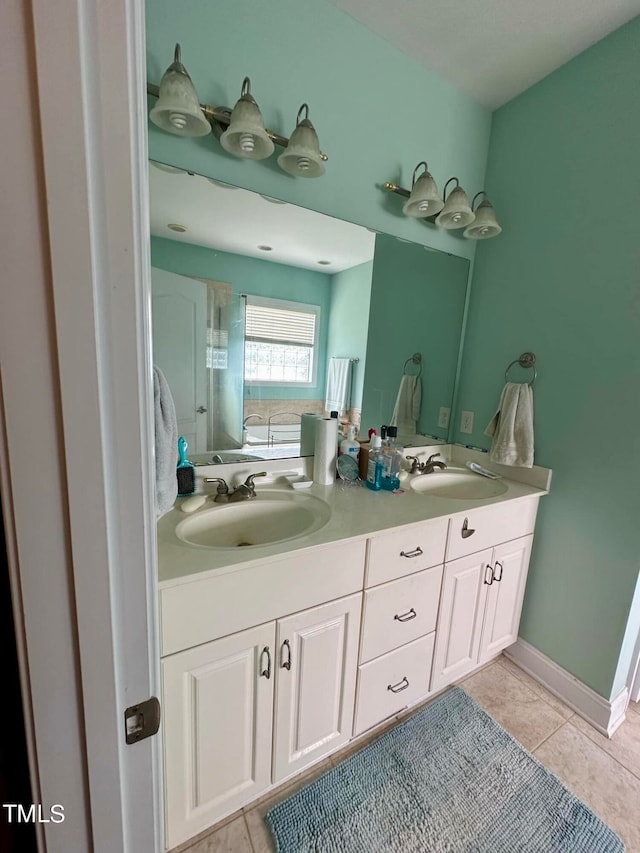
394	188
219	118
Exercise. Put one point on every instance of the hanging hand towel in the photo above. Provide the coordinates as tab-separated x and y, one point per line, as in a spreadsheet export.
338	385
512	427
407	409
166	433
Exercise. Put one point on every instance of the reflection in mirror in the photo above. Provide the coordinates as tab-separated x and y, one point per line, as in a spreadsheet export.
263	311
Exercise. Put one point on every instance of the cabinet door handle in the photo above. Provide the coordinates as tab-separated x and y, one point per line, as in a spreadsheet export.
415	553
495	573
285	664
400	686
491	575
466	530
265	673
406	617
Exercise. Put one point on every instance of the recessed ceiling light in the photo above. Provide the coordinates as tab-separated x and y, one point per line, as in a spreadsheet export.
324	263
272	200
162	167
266	248
176	227
221	184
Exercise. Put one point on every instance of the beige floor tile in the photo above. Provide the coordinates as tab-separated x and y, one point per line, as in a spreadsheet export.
260	835
624	745
514	705
537	688
186	846
232	838
611	791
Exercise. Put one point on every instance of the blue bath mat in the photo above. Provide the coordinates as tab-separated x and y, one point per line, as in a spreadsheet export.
447	780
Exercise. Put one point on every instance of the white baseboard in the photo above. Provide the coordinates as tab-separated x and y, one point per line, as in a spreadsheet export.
603	714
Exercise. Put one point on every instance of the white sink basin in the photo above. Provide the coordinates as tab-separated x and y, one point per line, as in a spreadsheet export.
458	483
272	516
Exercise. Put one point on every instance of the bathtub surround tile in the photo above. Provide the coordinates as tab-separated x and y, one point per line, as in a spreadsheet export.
537	688
514	705
597	778
623	746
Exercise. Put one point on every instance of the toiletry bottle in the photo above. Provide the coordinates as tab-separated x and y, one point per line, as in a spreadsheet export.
391	461
374	469
350	444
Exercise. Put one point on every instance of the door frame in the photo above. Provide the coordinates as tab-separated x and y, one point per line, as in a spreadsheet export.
89	60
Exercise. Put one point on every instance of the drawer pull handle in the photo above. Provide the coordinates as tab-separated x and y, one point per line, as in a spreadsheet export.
406	617
265	673
491	575
495	573
400	686
286	664
416	553
466	530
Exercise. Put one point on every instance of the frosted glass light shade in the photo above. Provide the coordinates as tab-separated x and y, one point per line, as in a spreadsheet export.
424	199
456	212
177	109
246	137
485	225
302	157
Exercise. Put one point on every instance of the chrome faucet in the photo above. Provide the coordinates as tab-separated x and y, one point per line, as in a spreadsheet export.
244	422
244	492
427	467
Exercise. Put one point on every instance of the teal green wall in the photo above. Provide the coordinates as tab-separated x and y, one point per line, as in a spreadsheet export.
377	112
349	320
258	278
563	280
417	302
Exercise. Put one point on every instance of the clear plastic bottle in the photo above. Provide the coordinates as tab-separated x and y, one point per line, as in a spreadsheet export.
374	468
391	461
350	445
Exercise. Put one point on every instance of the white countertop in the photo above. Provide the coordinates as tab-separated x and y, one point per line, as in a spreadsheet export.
356	512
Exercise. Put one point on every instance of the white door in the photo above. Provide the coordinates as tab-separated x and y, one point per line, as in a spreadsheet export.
506	593
218	714
462	604
179	315
315	687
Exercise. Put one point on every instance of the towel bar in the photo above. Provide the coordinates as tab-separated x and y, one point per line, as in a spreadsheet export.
526	360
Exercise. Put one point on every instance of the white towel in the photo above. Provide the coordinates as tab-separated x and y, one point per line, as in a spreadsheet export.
407	409
512	427
338	385
166	431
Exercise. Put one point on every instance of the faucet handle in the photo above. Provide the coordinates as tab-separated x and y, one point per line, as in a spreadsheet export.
415	463
432	457
223	488
249	481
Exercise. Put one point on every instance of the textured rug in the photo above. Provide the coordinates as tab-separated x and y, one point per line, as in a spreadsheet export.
447	779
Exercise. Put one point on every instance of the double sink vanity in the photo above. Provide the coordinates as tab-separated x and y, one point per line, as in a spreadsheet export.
295	622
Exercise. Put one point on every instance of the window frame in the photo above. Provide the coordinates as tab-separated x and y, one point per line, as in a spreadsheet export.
286	305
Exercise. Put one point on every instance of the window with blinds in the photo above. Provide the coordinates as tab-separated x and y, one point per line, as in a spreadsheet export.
280	341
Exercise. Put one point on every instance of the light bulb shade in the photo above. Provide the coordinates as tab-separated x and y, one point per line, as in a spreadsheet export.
302	157
485	225
456	212
424	199
246	137
177	109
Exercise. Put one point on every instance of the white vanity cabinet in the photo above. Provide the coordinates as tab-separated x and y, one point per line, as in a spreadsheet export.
482	593
250	709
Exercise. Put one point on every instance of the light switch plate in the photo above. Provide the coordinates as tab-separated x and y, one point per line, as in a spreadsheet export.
443	417
466	422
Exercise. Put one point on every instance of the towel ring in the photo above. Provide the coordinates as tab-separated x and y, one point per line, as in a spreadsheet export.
526	360
416	358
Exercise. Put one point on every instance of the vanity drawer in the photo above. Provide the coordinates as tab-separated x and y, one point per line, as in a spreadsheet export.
399	612
406	551
393	681
490	526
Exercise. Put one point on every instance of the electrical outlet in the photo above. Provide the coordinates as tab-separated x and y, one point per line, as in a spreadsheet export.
466	422
443	417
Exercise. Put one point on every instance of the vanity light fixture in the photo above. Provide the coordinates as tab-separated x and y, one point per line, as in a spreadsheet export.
454	212
241	131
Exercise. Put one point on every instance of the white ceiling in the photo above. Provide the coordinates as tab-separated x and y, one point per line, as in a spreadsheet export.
231	219
491	49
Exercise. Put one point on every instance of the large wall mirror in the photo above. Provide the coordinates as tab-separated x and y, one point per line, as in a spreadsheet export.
263	311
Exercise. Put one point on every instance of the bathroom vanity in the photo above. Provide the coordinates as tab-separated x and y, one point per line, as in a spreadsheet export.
276	654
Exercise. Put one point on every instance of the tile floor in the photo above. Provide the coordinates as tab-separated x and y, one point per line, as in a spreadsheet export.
604	773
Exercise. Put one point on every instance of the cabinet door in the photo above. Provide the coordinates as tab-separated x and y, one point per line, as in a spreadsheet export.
315	686
504	600
464	593
217	717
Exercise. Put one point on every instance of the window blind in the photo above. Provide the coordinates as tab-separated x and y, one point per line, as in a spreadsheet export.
265	323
